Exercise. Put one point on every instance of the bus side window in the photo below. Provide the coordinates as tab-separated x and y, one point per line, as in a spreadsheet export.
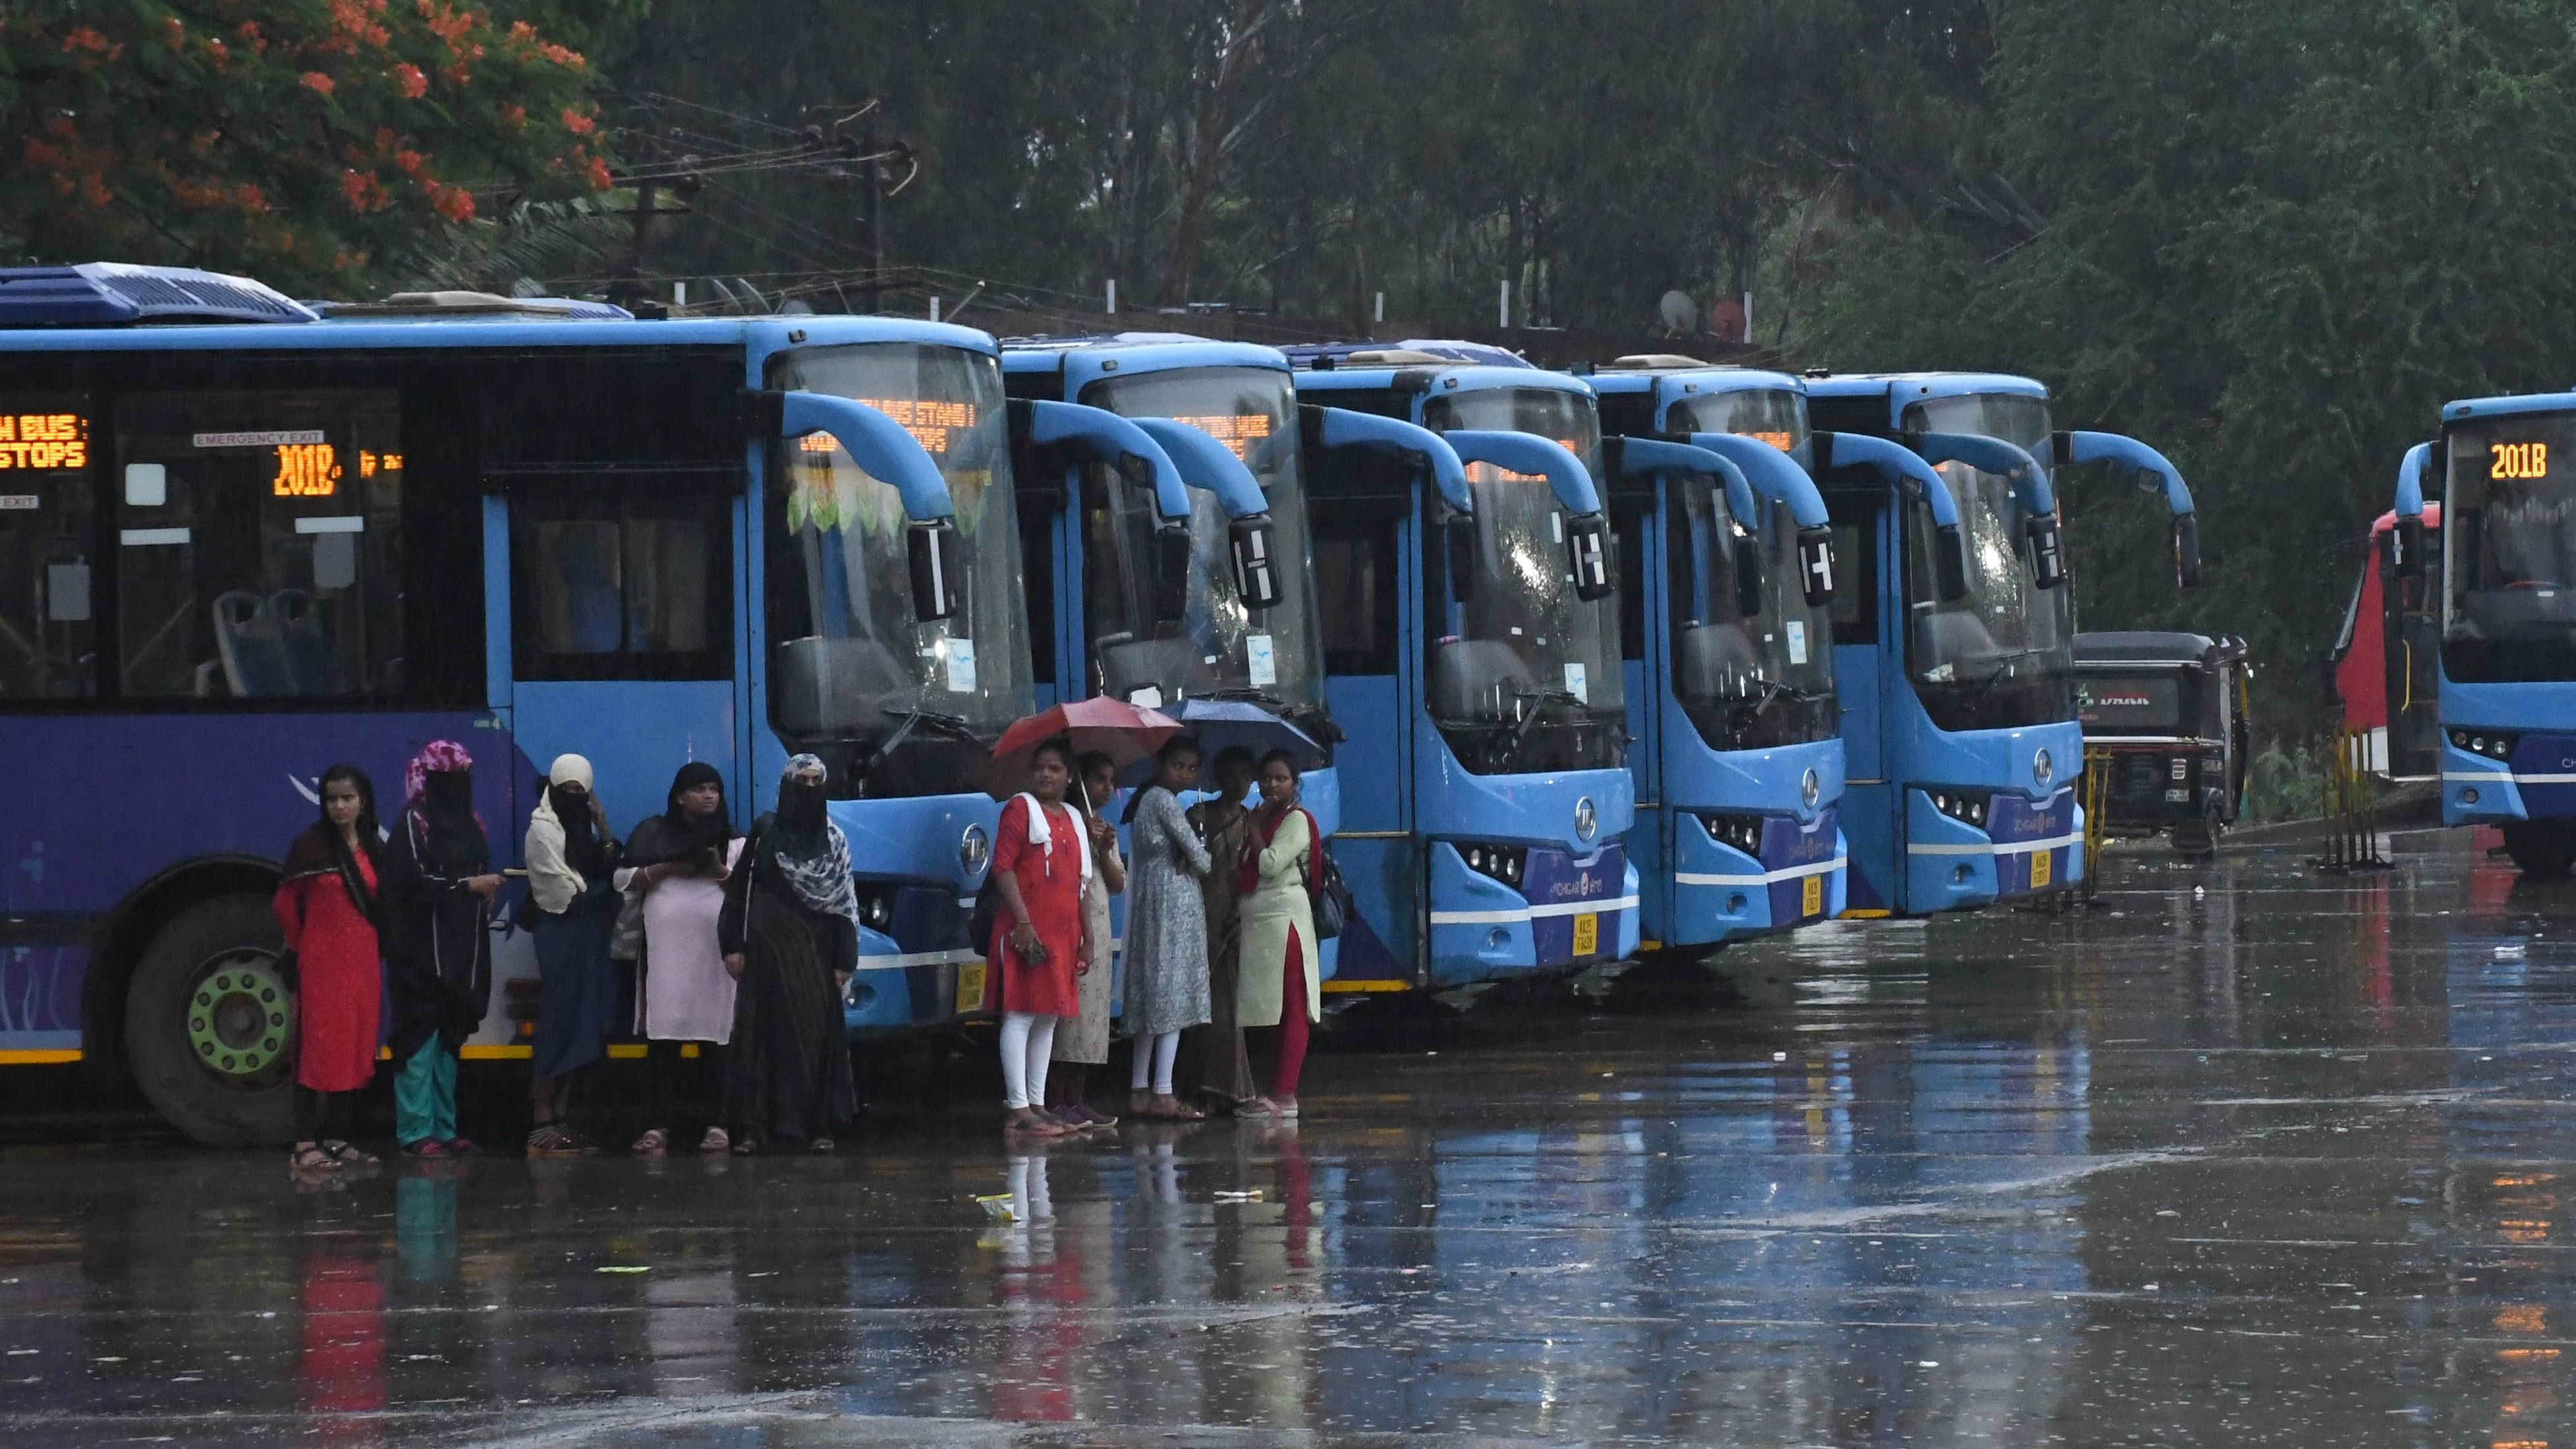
622	579
259	545
1355	577
46	533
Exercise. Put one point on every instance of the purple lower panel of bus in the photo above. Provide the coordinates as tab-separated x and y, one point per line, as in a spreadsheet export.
119	799
40	990
2552	759
1575	905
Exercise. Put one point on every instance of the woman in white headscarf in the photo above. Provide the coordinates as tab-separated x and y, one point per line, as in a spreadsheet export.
790	936
571	911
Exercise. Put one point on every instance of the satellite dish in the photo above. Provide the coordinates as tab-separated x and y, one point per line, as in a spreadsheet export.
1678	312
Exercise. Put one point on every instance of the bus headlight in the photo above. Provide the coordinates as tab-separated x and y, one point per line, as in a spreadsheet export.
1505	863
2490	743
1742	832
1961	806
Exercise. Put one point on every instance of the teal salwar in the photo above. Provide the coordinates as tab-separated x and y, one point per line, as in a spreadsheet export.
425	1095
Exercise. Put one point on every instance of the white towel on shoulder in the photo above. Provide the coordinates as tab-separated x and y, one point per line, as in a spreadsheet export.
1042	835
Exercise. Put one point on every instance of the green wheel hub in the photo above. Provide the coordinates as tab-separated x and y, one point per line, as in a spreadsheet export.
241	1017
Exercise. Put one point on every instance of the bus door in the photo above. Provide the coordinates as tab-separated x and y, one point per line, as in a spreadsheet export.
2413	638
621	628
1868	649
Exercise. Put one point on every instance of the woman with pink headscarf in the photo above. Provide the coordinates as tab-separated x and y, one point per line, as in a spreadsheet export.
438	889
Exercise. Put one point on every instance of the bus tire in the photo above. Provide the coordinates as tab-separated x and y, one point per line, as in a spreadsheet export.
2542	849
209	1024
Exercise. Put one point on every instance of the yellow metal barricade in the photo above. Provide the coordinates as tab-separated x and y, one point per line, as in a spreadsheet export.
2097	794
2352	805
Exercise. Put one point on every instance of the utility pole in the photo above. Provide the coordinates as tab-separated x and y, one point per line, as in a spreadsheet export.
626	279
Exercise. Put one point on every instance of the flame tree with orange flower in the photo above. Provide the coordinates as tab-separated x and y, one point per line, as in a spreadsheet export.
315	144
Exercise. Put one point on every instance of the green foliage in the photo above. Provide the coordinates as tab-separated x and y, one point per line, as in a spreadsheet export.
305	141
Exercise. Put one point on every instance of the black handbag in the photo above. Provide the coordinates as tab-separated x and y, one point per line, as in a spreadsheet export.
1330	898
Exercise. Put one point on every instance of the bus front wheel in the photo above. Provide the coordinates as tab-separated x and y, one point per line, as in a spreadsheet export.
210	1024
2543	849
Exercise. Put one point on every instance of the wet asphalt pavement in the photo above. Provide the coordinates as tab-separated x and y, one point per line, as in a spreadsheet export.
2276	1160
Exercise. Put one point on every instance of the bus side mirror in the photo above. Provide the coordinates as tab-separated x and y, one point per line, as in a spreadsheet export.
1587	546
1172	560
2406	548
1458	534
2186	534
931	547
1256	569
1749	589
2047	551
1949	564
1816	565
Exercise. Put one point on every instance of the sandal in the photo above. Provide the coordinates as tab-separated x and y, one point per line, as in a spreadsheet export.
1027	1122
348	1154
744	1146
461	1147
654	1143
1173	1109
716	1140
820	1146
553	1139
425	1147
311	1158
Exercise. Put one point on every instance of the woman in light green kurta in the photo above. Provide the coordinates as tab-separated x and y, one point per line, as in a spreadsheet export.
1278	983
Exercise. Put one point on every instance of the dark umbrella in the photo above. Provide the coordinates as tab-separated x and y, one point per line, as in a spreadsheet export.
1220	724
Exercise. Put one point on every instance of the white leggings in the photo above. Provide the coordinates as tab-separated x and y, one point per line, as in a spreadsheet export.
1156	1051
1028	1042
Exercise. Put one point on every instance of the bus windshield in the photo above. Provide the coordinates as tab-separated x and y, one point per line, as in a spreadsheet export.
1217	646
1525	676
2509	523
850	662
1746	683
1775	416
2001	655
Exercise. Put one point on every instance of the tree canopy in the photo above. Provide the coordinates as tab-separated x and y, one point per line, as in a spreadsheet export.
315	143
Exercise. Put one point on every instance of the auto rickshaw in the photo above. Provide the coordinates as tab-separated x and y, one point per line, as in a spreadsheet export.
2164	714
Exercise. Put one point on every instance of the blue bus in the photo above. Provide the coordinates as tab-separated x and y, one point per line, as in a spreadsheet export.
239	542
1727	574
2504	472
1472	650
1953	632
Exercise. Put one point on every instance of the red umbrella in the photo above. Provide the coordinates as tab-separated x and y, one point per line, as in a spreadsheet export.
1113	727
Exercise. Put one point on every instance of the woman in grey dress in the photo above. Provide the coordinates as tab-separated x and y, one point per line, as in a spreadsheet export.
1167	946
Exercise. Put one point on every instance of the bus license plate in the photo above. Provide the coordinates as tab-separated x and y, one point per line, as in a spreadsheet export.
2039	863
1587	933
970	987
1811	896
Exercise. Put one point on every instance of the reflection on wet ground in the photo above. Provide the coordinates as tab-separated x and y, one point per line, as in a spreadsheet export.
2242	1154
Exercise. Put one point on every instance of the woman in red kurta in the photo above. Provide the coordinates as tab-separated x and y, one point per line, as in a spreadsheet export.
1041	857
327	907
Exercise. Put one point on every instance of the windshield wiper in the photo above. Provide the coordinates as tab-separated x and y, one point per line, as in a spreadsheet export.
954	726
1772	691
1984	684
1311	718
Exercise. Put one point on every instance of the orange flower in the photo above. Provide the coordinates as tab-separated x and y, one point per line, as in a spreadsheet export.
513	116
599	177
318	83
414	85
453	202
577	123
